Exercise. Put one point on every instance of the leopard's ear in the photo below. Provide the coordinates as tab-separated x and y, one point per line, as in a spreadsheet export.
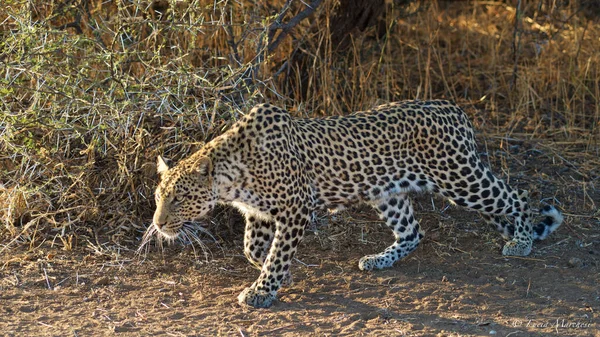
204	166
161	166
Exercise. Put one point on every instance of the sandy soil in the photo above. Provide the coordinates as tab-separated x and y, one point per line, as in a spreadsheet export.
455	284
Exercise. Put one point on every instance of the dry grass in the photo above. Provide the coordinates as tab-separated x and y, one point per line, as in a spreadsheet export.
91	94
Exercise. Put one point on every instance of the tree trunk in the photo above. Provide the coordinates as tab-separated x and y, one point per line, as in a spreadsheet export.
352	16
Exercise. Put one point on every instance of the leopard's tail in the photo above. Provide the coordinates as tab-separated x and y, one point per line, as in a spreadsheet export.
552	220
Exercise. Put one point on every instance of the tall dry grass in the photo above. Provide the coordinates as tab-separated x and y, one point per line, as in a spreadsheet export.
91	92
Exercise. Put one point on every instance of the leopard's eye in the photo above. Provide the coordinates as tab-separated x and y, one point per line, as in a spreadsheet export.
177	199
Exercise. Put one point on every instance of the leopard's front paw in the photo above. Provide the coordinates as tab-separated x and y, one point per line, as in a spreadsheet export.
369	262
256	298
516	248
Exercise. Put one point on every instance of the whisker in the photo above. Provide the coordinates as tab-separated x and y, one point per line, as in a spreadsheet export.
188	234
185	233
159	243
204	248
209	234
183	237
146	238
205	231
191	231
192	240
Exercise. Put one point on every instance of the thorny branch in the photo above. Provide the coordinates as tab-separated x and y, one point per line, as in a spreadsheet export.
270	32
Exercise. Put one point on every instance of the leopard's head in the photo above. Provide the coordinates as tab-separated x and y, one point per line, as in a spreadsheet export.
185	193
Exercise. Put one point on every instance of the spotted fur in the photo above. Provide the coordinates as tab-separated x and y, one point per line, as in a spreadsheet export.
278	171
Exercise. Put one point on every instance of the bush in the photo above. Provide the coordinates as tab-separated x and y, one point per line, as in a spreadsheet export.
93	91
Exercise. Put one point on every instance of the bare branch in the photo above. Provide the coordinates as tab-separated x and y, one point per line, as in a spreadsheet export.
287	27
516	44
273	27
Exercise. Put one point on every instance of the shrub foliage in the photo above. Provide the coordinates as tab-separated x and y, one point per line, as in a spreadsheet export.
92	91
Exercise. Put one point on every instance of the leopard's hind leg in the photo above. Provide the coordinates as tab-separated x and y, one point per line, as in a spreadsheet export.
552	218
481	190
500	223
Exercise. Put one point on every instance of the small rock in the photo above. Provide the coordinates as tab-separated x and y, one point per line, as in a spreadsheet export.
575	262
27	309
121	329
102	281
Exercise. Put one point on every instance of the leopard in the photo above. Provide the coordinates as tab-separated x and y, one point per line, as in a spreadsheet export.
278	170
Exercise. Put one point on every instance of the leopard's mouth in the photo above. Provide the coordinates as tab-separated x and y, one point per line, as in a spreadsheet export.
176	230
159	233
169	231
184	231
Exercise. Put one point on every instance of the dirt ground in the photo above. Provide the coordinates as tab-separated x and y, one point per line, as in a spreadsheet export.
455	284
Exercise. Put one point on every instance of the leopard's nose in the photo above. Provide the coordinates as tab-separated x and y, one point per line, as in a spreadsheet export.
159	225
159	221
